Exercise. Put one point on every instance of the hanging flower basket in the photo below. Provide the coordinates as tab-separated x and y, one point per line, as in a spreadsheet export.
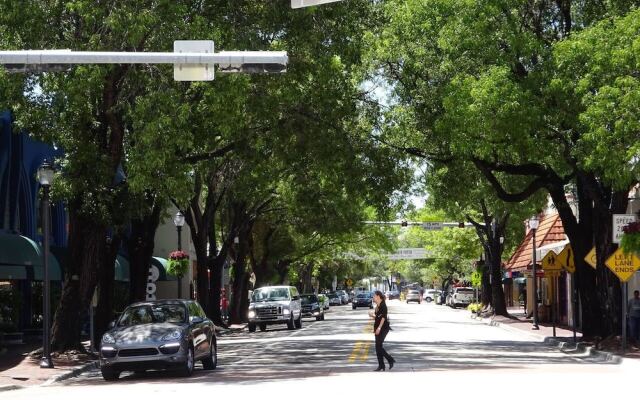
178	263
630	242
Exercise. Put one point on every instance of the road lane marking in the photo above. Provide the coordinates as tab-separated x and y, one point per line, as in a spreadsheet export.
354	353
365	352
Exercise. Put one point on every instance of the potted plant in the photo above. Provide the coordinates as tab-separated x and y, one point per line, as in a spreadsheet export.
630	242
178	263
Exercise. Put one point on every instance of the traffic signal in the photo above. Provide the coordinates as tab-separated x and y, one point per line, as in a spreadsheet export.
460	224
404	223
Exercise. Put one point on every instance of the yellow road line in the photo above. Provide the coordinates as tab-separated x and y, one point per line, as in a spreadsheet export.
354	353
361	349
365	352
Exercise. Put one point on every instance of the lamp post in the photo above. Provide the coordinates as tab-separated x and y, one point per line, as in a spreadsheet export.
178	220
45	178
533	225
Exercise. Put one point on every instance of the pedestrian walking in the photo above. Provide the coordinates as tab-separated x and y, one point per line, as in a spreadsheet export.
224	306
633	310
381	328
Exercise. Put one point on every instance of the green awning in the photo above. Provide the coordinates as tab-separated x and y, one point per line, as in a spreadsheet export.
161	264
13	272
122	269
21	258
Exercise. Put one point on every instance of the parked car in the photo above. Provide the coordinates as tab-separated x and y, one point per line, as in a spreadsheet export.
460	296
413	296
324	301
431	294
334	299
163	334
344	297
362	299
311	307
392	294
275	305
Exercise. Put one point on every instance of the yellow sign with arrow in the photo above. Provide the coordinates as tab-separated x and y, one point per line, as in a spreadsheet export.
565	258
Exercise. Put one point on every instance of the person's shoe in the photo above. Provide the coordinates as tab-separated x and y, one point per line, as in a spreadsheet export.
378	369
391	364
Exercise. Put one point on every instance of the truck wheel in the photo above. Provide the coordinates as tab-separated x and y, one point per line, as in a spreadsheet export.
290	323
252	327
263	327
298	323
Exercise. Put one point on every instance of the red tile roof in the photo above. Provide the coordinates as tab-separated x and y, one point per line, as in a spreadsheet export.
549	231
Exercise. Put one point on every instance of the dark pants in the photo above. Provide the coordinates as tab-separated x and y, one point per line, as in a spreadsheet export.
634	328
381	353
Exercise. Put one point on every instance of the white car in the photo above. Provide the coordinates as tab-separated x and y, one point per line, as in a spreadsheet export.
431	294
460	296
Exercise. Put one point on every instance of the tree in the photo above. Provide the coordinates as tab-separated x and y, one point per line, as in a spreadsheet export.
485	83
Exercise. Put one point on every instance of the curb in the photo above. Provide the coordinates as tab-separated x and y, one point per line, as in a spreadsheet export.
73	373
562	346
6	388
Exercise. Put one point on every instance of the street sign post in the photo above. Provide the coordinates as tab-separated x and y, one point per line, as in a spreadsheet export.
624	266
619	222
552	265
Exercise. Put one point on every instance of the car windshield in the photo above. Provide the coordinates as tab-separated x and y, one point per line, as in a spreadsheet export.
271	294
414	292
148	314
363	295
333	296
308	299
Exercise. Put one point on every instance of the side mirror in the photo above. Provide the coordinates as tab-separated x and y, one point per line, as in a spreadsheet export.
196	320
111	324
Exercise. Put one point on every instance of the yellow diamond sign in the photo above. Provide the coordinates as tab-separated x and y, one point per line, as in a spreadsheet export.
591	258
565	258
623	265
550	262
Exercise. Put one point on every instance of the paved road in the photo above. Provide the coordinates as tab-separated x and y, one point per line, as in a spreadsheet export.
439	351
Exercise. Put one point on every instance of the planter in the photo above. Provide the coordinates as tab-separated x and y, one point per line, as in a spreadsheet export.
178	263
630	242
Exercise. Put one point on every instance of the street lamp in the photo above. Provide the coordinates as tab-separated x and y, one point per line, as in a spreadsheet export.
533	225
45	178
178	221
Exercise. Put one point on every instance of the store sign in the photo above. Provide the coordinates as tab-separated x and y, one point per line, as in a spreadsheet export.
154	274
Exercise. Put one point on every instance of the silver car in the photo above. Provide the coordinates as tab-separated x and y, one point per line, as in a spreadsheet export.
164	334
414	295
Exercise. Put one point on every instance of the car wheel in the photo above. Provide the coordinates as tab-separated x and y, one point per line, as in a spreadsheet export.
370	305
187	368
353	307
320	317
211	362
109	375
263	327
252	327
290	323
298	323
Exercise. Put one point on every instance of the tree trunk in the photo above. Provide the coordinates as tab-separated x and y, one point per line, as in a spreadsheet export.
486	287
141	244
87	248
104	312
239	302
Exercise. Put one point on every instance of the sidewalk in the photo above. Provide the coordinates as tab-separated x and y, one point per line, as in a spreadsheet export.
18	369
563	339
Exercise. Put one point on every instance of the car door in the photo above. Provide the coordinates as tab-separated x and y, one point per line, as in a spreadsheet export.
196	324
295	302
208	328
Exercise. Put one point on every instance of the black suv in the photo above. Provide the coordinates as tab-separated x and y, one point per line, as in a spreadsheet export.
362	299
311	307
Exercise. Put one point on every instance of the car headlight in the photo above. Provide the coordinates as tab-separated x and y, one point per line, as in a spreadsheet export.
252	314
175	335
108	338
286	311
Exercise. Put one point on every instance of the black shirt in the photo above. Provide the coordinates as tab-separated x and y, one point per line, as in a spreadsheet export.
381	312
